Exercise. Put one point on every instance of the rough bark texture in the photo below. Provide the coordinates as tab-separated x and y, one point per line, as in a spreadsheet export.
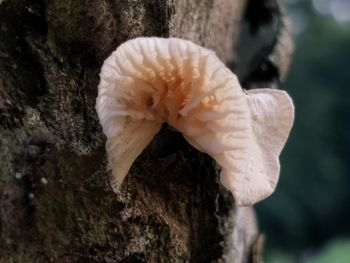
55	201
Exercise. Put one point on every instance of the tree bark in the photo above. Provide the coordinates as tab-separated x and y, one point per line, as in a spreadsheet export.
56	204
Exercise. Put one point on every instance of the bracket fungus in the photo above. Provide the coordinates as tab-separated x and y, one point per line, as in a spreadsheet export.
149	81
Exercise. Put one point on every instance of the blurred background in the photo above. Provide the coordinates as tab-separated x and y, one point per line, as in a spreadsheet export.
307	219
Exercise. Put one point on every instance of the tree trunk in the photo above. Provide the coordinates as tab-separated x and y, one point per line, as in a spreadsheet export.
55	201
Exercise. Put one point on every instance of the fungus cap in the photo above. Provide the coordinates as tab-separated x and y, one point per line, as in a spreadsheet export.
149	81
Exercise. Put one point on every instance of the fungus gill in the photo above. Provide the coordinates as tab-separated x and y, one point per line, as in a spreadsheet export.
149	81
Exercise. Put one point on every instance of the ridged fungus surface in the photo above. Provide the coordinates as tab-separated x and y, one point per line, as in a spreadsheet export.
149	81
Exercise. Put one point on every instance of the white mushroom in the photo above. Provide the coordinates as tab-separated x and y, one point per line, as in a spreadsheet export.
149	81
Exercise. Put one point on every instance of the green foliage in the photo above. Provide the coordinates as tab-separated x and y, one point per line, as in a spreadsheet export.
311	203
337	251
